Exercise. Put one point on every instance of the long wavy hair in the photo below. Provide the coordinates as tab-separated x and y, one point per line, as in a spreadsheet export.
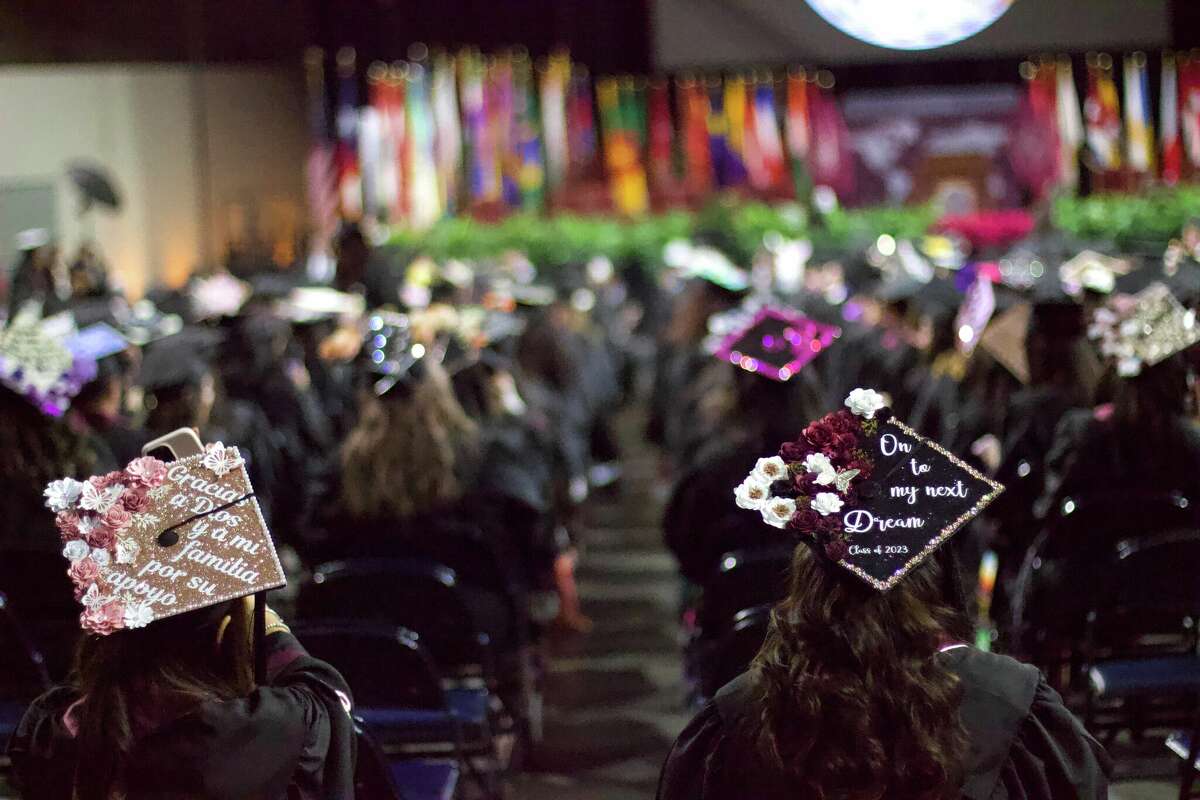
406	454
134	680
851	700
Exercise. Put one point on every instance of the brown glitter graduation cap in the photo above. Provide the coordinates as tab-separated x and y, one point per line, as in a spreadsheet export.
158	538
867	491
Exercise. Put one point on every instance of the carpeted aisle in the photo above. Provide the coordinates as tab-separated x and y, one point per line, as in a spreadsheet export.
614	700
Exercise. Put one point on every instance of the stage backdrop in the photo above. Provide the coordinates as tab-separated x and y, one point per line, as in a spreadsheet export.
947	144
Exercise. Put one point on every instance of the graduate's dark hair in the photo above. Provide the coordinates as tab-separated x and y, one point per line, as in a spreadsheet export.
852	699
133	679
36	449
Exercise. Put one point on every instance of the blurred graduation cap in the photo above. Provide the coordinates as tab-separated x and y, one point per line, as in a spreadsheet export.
705	263
776	343
144	323
1144	330
877	505
32	239
180	359
37	363
219	295
1093	272
1004	340
974	313
392	354
96	186
97	341
314	303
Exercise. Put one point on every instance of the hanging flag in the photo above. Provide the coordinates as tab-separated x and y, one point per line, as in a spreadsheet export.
764	150
697	157
727	165
370	152
503	124
386	169
581	125
1168	123
798	133
447	131
530	174
1034	150
483	169
1103	112
320	170
397	125
554	80
1139	134
831	162
735	122
660	150
627	178
1189	109
424	199
1070	124
349	179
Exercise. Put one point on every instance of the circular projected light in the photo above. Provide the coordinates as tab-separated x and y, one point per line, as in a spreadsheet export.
911	24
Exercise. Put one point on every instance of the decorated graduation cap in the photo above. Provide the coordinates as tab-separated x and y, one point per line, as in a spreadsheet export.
1093	272
978	305
776	343
866	492
38	363
392	353
1004	340
1138	331
158	539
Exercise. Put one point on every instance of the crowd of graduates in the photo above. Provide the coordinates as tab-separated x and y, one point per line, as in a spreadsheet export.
416	410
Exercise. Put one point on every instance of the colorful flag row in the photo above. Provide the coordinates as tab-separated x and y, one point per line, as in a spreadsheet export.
1115	133
445	134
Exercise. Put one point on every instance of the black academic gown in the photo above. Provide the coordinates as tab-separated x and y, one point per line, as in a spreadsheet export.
1024	744
291	739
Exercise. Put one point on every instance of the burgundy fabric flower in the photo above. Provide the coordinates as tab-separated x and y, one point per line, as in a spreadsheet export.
805	521
103	537
135	500
68	525
117	518
837	549
104	481
843	422
819	435
147	471
795	451
104	619
83	573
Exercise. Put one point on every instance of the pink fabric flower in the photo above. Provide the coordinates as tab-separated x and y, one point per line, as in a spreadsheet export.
104	481
147	471
83	573
117	518
135	499
68	525
105	619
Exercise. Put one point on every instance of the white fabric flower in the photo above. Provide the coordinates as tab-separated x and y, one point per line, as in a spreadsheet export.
864	402
778	511
63	494
101	557
87	524
138	615
127	550
826	503
100	500
221	459
822	466
92	599
771	469
752	493
76	550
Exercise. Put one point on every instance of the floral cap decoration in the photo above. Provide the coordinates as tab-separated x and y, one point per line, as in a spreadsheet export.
158	539
776	343
1141	330
866	491
41	367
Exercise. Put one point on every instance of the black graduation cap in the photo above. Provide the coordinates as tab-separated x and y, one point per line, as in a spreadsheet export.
392	354
866	491
179	359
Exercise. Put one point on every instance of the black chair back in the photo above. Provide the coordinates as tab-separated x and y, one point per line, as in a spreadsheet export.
744	579
731	655
418	595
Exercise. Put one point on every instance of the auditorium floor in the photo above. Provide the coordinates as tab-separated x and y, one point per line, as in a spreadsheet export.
614	699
